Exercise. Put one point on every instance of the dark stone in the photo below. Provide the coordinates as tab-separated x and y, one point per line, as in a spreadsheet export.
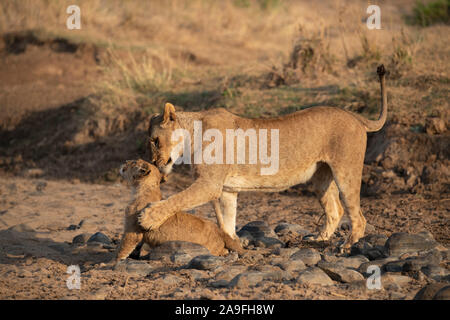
443	294
436	272
206	262
258	229
267	242
285	228
399	243
339	273
429	291
371	246
100	238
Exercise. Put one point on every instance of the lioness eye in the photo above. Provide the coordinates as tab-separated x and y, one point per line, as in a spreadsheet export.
157	142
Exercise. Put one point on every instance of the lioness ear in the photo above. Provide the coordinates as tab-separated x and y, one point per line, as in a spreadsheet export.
169	113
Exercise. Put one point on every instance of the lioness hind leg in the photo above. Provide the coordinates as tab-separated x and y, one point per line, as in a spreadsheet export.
349	184
328	196
229	202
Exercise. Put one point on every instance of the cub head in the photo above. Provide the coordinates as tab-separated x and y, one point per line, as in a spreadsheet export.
161	147
136	171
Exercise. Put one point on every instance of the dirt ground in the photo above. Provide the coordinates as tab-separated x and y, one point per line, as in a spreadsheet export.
60	149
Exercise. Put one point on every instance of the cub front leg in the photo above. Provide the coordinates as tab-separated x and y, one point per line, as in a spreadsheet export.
128	243
200	192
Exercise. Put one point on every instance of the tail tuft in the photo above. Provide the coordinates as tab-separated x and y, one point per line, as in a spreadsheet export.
381	70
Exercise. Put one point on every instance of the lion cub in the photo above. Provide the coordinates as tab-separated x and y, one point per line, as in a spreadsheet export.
145	180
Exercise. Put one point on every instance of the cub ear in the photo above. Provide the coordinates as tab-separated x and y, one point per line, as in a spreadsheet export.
169	113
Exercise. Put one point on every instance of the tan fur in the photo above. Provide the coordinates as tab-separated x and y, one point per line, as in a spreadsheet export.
323	145
145	178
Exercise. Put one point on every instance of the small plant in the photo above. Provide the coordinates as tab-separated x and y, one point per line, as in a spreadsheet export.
403	53
431	13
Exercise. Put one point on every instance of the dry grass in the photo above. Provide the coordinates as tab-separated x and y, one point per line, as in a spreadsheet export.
204	53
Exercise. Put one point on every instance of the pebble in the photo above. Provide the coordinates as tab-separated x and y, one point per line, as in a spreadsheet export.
308	255
399	243
372	246
314	275
286	228
139	268
292	265
267	242
258	229
443	294
395	278
340	273
100	238
429	291
205	262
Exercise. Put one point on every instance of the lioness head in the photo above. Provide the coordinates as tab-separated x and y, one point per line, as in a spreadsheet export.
135	171
161	145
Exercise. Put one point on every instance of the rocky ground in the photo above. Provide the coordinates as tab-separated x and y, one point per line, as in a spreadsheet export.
48	226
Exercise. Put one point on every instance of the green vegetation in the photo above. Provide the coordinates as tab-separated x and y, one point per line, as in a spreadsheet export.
434	12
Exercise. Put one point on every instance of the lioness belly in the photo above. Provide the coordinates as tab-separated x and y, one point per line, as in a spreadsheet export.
270	183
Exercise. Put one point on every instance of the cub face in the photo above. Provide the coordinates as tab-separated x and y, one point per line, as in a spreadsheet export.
134	171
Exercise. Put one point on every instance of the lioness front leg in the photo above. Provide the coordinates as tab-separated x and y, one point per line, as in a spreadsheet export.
229	202
203	190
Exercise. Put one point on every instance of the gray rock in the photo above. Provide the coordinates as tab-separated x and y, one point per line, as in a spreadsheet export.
308	255
371	246
219	283
432	257
205	262
81	239
394	266
253	278
445	255
100	238
181	258
353	262
285	252
314	275
399	243
169	248
267	242
436	272
394	278
286	228
139	268
380	263
170	279
246	279
429	291
258	229
229	272
340	273
443	294
292	265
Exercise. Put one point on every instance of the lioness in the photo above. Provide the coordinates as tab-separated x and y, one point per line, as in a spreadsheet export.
323	145
145	179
